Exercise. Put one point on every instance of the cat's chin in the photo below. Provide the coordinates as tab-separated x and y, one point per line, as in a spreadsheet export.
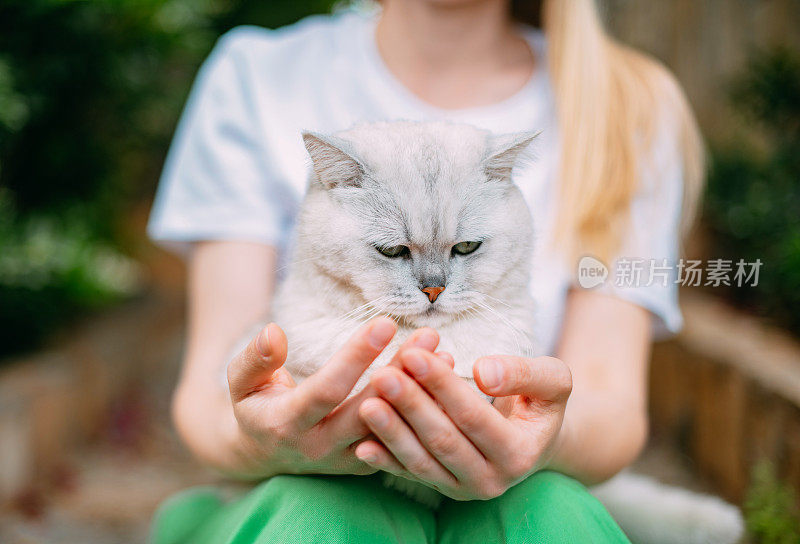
433	317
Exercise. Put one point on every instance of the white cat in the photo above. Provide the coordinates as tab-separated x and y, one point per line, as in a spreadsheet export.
422	222
418	221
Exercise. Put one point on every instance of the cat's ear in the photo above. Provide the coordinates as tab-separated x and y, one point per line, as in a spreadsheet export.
503	152
333	164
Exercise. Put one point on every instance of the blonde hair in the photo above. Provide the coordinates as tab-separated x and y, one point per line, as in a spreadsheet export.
608	100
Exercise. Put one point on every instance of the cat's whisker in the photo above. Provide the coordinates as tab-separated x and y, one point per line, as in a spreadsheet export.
370	310
472	312
516	329
295	262
494	299
493	317
374	313
517	334
352	319
364	307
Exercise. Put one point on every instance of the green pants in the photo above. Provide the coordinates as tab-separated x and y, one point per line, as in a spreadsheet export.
546	508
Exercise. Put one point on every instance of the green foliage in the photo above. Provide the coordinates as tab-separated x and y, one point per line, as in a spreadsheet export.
770	89
52	268
90	93
771	509
753	199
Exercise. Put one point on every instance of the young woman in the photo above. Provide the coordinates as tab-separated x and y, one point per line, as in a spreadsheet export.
618	159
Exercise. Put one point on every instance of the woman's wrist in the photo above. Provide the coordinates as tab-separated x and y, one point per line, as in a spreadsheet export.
596	441
244	460
211	432
556	458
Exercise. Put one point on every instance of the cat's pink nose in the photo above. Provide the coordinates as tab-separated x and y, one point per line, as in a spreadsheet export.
432	292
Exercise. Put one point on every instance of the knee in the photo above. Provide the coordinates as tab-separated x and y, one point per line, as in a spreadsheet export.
549	482
548	496
307	500
304	489
306	494
547	489
335	509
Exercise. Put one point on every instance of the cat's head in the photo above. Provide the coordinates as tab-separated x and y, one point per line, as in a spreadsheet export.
421	220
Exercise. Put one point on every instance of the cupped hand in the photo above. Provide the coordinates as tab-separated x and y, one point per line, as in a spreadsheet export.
432	427
311	427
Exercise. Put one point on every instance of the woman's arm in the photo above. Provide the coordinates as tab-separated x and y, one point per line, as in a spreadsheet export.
605	342
230	285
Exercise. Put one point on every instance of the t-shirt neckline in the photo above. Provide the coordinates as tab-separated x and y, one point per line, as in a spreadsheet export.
392	84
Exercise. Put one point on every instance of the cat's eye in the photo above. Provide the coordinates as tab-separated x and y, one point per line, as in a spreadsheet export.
465	248
393	251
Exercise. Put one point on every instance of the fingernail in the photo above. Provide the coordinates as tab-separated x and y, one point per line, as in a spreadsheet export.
262	342
390	386
380	334
378	418
491	372
417	364
426	338
367	457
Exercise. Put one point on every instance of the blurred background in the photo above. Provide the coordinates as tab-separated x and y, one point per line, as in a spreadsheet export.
91	314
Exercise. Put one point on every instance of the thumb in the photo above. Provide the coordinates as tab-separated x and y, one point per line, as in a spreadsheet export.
255	365
545	379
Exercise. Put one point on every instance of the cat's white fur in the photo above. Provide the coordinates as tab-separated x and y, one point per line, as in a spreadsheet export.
429	186
651	512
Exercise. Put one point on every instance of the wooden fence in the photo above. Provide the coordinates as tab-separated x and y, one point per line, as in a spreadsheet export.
705	42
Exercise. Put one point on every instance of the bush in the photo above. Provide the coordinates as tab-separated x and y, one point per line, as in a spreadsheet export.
90	93
52	268
753	202
96	88
771	508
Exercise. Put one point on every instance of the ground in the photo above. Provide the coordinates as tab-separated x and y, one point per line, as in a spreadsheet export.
115	493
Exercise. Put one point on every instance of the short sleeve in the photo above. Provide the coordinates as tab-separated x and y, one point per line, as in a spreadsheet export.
216	183
644	272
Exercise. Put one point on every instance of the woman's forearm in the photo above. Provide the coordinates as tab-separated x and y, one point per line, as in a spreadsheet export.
230	287
599	437
606	343
203	415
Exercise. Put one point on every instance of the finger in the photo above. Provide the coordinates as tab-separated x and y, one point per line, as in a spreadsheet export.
326	388
257	362
400	440
434	429
492	434
424	338
344	422
544	379
377	456
447	358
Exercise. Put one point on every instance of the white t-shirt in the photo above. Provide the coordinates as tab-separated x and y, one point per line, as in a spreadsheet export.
237	169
